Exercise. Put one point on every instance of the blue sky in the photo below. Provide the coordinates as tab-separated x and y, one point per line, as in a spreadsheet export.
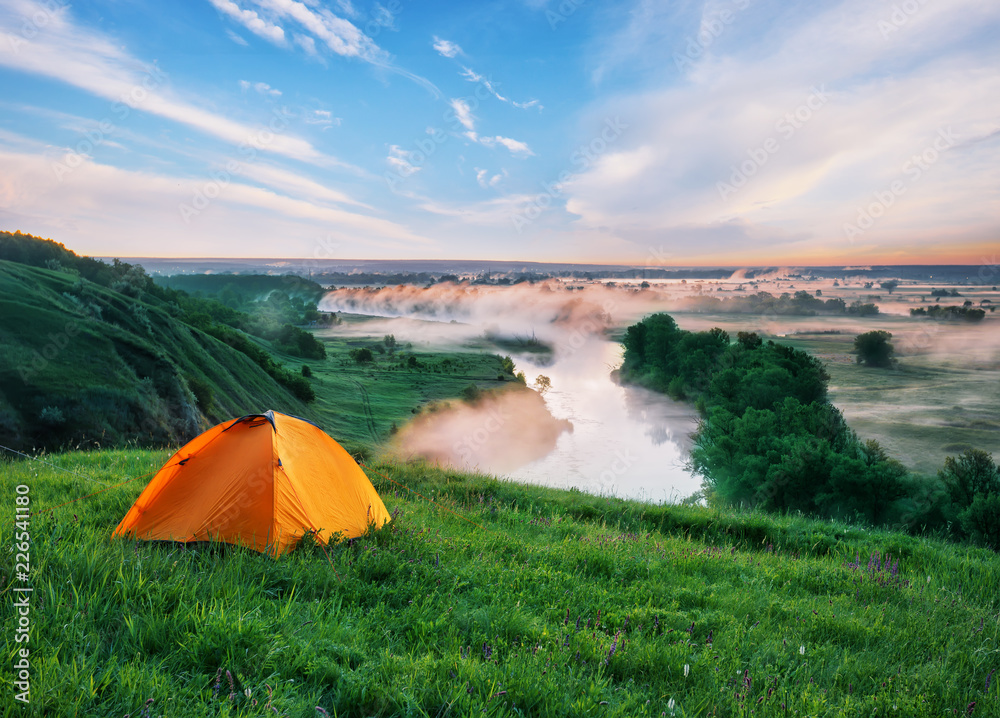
715	132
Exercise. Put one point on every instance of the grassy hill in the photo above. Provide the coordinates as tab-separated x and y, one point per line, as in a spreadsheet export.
80	362
501	600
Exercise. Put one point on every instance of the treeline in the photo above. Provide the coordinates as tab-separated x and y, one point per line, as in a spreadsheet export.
801	303
966	313
769	437
208	315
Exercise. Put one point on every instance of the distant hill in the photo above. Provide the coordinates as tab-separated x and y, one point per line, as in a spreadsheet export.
84	363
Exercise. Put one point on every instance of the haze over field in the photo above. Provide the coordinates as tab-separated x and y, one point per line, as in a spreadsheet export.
630	442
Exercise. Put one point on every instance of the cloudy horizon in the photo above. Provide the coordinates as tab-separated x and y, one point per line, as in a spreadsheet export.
736	132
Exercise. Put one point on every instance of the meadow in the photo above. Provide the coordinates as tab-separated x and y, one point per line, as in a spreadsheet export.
485	597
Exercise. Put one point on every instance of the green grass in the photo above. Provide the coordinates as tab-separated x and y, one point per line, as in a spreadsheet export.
435	616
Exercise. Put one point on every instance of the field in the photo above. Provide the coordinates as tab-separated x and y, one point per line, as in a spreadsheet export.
927	408
498	599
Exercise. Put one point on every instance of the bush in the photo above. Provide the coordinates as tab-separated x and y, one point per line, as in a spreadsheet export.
306	371
363	355
471	394
873	348
52	417
300	343
973	484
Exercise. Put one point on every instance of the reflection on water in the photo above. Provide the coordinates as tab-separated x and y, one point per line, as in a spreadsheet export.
626	441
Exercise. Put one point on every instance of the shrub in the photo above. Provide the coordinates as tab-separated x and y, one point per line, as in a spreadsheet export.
51	416
363	355
471	394
873	348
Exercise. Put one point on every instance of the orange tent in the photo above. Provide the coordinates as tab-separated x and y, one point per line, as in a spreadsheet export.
261	481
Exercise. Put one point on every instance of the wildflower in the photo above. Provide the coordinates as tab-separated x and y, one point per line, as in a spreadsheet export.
988	678
487	650
687	669
802	650
322	712
614	647
671	704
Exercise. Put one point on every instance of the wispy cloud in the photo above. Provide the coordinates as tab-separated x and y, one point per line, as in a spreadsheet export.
236	38
146	204
321	25
446	48
93	62
463	113
338	34
399	160
251	21
473	76
515	146
484	179
261	87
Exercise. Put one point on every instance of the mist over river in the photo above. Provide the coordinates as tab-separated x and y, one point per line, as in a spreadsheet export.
626	441
588	433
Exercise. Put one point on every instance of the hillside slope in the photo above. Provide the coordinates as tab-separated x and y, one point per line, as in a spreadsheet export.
501	600
83	363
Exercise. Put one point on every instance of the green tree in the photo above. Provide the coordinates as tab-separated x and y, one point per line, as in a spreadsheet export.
873	348
750	340
362	356
973	484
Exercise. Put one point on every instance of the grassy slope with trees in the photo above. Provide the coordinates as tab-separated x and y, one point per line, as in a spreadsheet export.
91	352
556	604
